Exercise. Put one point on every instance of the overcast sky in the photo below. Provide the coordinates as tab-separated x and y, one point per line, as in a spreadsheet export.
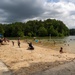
24	10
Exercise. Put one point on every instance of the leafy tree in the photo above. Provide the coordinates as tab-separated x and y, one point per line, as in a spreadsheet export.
1	30
42	31
72	31
20	34
35	28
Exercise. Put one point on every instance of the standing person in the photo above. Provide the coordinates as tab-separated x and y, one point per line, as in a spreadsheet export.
19	42
13	43
54	42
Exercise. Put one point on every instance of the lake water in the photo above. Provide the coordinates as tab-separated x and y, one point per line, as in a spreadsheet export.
71	41
68	43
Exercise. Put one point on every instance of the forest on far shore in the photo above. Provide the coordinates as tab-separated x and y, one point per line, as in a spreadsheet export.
72	31
35	28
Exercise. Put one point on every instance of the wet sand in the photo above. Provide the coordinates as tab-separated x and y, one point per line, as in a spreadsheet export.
26	62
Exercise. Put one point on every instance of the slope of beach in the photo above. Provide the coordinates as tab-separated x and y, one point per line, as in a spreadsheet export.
64	69
26	62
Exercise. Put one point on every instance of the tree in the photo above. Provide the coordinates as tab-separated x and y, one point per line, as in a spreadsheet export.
72	31
20	34
35	28
42	31
1	30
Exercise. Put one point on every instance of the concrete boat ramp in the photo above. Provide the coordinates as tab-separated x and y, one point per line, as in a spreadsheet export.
65	69
4	70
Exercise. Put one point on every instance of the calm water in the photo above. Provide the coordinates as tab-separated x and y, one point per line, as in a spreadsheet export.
68	43
71	41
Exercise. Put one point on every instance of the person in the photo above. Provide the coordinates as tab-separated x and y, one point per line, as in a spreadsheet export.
68	44
5	40
30	46
61	50
13	43
19	42
54	42
34	38
1	41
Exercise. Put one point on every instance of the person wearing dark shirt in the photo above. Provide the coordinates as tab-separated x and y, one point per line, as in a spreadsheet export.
31	46
61	50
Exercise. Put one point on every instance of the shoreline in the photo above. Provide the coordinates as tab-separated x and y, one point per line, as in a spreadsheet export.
25	62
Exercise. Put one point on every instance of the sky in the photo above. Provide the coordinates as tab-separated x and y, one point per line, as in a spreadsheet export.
24	10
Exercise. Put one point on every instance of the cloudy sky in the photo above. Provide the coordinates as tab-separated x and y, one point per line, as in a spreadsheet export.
24	10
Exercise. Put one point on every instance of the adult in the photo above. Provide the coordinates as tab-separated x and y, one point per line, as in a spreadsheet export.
30	46
19	42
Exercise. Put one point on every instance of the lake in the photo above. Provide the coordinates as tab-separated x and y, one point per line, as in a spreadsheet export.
68	43
71	41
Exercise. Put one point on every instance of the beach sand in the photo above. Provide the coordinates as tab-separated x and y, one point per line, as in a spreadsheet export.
26	62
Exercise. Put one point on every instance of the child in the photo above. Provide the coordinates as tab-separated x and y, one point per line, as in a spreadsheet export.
19	43
13	43
61	50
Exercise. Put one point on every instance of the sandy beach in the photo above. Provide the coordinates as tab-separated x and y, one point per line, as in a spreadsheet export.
26	62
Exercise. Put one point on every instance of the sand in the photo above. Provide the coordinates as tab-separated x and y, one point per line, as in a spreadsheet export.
26	62
64	69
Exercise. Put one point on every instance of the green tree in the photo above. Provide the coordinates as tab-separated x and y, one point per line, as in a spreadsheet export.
1	30
35	28
42	31
20	34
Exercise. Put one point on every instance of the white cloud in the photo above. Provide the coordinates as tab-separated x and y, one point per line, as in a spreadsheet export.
64	11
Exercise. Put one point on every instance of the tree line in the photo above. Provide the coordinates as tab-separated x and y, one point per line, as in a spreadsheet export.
36	28
72	31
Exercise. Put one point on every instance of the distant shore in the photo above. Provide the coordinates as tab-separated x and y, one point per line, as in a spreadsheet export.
25	62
